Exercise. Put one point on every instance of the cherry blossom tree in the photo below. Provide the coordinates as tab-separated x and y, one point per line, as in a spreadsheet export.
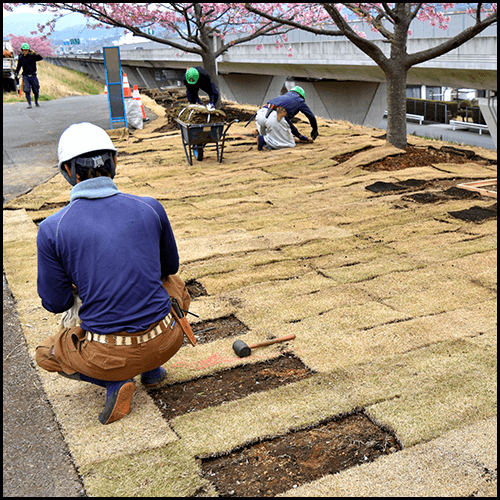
42	47
392	21
194	27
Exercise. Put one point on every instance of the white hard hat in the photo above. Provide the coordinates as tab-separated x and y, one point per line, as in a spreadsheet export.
81	138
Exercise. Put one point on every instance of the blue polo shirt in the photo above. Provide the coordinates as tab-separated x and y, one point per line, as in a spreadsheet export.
115	248
295	103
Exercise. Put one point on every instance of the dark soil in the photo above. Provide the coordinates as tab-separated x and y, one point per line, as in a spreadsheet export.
220	328
438	191
476	214
228	385
273	466
418	156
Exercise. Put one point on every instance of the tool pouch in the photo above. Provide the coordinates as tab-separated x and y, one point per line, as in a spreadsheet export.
282	112
180	298
176	287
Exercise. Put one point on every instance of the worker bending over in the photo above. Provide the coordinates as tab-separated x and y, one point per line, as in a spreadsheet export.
197	79
274	120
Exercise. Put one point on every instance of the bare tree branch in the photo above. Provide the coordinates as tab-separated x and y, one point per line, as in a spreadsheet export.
452	43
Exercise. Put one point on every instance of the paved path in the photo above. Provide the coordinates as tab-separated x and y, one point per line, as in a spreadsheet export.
446	133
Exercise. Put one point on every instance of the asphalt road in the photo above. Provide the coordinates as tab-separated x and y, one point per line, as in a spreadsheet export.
30	137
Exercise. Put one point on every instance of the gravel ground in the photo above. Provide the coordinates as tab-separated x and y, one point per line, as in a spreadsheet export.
36	459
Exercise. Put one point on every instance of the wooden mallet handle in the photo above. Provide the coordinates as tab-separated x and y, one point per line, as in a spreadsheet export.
290	336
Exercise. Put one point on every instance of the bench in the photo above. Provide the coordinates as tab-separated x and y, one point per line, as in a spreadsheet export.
479	126
409	116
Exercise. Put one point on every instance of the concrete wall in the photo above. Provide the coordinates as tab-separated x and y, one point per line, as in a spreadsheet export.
250	89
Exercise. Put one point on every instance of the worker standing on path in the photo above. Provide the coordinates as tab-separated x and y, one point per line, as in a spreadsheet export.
27	60
117	253
274	124
197	79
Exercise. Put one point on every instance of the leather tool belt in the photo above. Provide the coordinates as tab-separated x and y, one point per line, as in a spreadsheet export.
128	339
280	110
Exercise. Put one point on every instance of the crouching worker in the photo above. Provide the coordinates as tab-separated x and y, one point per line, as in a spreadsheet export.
117	253
274	121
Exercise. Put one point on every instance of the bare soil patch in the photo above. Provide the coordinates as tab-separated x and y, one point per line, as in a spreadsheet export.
219	328
273	466
476	214
416	156
228	385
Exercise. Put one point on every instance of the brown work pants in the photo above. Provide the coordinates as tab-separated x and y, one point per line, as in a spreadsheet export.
70	352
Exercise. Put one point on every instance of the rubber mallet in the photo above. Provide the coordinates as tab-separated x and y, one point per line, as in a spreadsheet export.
243	350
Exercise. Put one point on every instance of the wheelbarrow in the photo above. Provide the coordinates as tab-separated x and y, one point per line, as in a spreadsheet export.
195	138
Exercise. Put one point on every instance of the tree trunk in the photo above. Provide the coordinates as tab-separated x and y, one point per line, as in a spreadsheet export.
396	72
208	58
396	108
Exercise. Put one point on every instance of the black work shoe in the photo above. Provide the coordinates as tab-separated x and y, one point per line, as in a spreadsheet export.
37	105
260	142
29	107
118	401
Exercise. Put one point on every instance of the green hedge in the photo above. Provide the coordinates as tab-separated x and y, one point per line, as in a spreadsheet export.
435	111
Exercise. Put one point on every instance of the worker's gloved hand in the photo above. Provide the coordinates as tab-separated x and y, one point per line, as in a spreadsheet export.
210	107
303	138
314	133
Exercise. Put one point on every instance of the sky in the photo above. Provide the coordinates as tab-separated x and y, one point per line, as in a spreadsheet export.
67	21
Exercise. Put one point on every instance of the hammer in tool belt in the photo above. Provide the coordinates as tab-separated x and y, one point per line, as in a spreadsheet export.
179	316
243	350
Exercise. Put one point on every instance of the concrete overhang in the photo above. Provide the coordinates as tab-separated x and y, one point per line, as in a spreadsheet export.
468	78
472	65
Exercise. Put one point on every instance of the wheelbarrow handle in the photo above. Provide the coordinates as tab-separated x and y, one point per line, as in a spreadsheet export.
227	128
224	137
229	124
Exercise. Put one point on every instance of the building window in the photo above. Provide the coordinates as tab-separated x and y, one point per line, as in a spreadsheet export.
434	93
413	91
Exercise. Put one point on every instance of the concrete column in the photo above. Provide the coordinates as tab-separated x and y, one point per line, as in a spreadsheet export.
147	78
133	76
488	107
358	102
98	70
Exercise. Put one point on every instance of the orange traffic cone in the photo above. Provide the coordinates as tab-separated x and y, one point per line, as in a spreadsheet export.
137	97
105	90
20	89
126	87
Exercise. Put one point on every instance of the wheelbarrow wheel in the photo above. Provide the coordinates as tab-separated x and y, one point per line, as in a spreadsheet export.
198	152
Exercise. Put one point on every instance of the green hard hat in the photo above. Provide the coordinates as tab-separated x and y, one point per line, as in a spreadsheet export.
192	75
299	91
25	46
